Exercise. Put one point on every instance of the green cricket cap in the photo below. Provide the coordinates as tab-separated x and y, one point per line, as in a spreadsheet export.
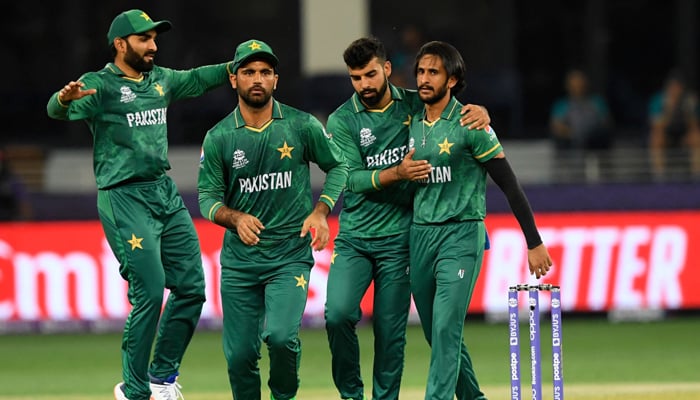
134	21
253	49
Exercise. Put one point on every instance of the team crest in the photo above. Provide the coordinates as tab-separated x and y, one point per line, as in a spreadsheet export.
239	160
411	143
366	137
127	95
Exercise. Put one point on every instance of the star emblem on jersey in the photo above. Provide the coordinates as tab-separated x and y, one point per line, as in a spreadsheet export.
135	242
254	46
407	122
445	147
333	256
301	281
159	89
285	150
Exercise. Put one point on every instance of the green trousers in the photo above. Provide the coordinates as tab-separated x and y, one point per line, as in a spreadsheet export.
263	291
445	263
152	236
357	262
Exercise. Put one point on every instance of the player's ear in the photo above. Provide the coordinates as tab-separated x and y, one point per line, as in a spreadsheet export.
119	43
451	82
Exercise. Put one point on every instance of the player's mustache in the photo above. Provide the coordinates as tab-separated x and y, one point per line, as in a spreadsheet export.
425	87
369	91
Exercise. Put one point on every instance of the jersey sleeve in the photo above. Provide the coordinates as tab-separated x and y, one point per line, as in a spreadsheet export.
211	185
484	144
197	81
360	180
327	155
79	109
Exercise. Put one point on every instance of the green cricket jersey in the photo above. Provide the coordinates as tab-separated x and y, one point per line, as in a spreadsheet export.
265	172
456	187
128	117
373	140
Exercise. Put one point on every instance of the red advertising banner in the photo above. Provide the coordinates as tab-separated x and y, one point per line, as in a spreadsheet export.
602	260
606	261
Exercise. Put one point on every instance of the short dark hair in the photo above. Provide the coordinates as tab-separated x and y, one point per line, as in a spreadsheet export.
451	59
361	51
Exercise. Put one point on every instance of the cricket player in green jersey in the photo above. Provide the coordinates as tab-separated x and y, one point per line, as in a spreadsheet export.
254	180
447	234
143	216
371	129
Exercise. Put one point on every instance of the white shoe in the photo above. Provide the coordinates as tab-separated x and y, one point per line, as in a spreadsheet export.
165	391
118	392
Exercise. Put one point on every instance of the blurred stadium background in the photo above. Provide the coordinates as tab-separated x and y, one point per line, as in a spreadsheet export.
517	55
624	244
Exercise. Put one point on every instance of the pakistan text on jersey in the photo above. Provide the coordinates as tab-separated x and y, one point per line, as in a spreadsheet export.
438	175
387	157
156	116
270	181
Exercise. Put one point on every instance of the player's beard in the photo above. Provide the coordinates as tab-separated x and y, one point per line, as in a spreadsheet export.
379	94
136	61
257	100
438	94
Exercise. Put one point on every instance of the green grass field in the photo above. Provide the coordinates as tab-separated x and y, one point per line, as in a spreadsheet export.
602	360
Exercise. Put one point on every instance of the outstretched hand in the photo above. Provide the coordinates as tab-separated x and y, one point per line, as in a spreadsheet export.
74	91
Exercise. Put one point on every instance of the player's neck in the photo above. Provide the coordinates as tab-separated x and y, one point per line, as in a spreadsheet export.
434	111
385	101
127	70
255	117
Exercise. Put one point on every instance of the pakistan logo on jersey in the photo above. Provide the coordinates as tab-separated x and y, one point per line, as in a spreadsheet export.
239	160
127	95
491	133
366	137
